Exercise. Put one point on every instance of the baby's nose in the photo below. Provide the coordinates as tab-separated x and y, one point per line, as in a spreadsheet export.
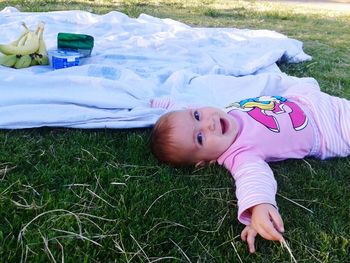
210	125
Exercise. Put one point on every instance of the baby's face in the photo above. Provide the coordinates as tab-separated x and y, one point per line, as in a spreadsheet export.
203	134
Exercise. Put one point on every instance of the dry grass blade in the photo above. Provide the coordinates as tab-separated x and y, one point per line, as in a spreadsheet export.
290	200
102	189
285	244
22	231
99	197
27	206
97	217
183	253
312	170
32	188
234	247
229	241
310	251
47	249
165	258
165	224
118	244
218	227
4	171
73	185
62	249
9	187
27	250
204	248
81	236
137	243
89	153
159	197
116	183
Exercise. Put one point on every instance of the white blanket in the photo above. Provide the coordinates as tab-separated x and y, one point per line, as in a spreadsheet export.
134	60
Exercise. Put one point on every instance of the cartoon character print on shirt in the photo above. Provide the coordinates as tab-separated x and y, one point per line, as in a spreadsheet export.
263	108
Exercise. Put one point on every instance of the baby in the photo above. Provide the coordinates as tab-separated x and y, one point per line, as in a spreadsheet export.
247	135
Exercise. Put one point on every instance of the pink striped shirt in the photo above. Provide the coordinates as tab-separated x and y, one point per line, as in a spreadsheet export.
316	125
265	135
320	127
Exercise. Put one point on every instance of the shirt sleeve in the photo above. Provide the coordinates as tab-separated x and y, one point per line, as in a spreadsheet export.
255	184
164	103
170	104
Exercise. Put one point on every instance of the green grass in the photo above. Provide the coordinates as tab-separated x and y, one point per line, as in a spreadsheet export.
99	196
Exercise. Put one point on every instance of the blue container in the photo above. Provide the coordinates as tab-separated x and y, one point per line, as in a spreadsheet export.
64	59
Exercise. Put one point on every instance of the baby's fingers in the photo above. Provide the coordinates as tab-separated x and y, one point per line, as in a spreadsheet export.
248	235
268	231
277	220
244	233
251	241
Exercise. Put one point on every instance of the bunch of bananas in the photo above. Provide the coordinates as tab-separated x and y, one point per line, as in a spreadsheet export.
28	50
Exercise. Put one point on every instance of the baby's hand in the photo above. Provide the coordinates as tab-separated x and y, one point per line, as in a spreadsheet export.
248	234
267	222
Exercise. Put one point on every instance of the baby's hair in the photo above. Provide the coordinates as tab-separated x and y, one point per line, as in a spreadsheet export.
163	144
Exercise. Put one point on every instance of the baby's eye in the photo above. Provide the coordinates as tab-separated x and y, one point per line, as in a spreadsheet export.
196	115
200	138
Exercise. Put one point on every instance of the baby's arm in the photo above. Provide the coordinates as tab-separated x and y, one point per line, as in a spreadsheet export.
164	103
170	104
256	189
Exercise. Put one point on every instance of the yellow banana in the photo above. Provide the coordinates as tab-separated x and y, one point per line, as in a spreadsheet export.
23	40
34	62
42	47
44	60
8	60
23	62
28	49
23	35
30	44
37	30
41	54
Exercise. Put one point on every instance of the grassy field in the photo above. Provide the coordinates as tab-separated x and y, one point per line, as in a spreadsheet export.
99	196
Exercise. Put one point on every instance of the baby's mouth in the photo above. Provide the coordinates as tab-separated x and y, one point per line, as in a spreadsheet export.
224	126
